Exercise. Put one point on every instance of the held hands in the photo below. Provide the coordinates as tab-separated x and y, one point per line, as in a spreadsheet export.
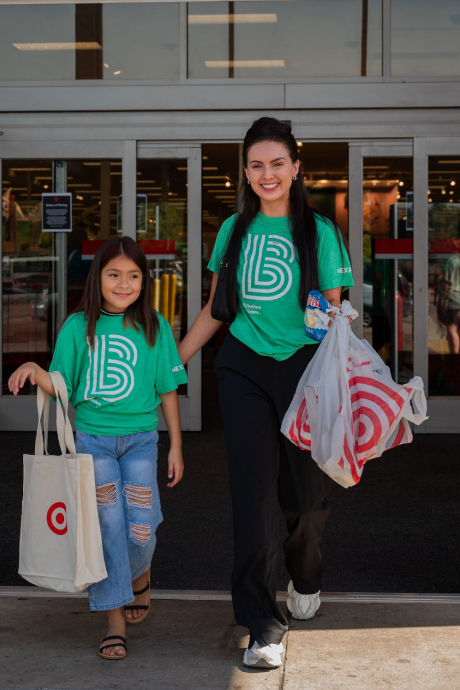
20	376
175	466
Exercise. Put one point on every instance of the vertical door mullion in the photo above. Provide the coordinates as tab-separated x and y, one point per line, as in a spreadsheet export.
1	294
420	285
355	231
194	253
129	183
60	240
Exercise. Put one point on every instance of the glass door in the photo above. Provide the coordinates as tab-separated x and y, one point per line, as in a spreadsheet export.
168	228
44	273
437	258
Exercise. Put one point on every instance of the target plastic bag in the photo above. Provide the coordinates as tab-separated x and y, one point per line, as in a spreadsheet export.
347	409
60	545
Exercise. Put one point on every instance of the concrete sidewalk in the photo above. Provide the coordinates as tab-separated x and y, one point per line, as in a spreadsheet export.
196	645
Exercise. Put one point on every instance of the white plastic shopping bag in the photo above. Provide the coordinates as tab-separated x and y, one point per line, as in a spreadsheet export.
347	409
60	544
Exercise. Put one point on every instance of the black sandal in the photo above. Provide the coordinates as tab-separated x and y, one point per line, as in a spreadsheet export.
144	607
114	644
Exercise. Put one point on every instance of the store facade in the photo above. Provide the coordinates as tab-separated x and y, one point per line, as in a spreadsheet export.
138	110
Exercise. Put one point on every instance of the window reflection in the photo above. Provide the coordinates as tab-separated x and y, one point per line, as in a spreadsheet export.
29	269
444	277
89	41
302	38
425	37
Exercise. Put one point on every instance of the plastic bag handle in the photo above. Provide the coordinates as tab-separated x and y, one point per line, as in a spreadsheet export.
63	425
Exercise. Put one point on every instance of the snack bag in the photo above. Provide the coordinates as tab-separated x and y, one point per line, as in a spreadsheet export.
316	316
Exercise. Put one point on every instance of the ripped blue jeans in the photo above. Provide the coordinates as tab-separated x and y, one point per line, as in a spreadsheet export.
125	470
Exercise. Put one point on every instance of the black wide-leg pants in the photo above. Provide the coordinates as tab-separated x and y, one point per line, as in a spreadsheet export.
266	469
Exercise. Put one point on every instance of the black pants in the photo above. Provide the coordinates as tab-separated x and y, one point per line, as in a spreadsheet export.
267	469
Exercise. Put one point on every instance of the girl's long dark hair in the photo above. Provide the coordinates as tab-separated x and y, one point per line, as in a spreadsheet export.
301	214
140	313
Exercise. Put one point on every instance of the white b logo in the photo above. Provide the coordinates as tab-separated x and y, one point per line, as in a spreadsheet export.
108	378
266	271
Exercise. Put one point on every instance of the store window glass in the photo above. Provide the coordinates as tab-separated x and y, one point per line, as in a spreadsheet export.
116	41
388	232
162	232
29	269
300	38
96	193
37	42
425	38
444	277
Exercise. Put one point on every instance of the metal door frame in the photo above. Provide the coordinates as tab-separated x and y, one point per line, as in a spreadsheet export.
19	413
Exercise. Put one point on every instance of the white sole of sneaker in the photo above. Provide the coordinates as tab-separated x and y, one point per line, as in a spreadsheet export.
261	663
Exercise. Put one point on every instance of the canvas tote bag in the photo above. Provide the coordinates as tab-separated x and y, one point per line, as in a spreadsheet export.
60	545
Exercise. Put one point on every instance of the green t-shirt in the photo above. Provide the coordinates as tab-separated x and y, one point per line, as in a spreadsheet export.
115	388
270	320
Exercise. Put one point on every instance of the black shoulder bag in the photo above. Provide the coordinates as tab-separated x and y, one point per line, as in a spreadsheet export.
219	308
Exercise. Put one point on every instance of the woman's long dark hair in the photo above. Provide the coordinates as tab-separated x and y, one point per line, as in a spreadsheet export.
301	213
140	313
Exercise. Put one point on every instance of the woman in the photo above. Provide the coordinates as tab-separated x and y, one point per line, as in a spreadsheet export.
277	250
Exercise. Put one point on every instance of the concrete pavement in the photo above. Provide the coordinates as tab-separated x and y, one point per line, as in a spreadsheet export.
193	645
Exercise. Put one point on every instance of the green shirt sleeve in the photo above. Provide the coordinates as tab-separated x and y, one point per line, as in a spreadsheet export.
170	370
220	246
65	357
334	269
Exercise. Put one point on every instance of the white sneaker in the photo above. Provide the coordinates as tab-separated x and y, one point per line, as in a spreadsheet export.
264	657
302	606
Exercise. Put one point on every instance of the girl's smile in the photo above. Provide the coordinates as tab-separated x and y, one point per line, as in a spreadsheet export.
121	284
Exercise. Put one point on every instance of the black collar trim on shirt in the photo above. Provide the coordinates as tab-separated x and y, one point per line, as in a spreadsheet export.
109	313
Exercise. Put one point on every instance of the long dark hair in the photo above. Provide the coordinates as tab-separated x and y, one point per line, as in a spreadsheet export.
301	213
140	313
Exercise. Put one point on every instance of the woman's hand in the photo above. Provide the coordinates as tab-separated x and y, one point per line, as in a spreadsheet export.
175	466
338	305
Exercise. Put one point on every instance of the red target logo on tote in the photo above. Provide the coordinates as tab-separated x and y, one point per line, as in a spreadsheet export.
56	518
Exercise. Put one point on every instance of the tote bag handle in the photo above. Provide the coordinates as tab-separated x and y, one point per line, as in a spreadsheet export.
63	426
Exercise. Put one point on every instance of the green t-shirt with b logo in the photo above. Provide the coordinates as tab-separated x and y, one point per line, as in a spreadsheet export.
270	320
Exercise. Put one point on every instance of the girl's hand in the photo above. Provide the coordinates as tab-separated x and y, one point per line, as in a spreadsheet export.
175	466
20	376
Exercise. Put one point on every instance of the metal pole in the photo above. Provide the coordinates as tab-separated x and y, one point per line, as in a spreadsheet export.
60	250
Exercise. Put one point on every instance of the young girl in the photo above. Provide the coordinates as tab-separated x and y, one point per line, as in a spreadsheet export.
119	361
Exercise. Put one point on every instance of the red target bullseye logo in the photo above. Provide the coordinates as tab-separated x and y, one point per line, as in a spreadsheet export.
56	518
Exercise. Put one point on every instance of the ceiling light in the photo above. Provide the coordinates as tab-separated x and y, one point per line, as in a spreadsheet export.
71	45
244	63
106	65
45	186
118	72
30	169
430	200
401	183
228	184
451	191
232	19
452	184
398	196
451	201
300	143
429	191
443	191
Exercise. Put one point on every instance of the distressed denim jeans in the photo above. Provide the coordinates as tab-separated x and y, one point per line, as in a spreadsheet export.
125	470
